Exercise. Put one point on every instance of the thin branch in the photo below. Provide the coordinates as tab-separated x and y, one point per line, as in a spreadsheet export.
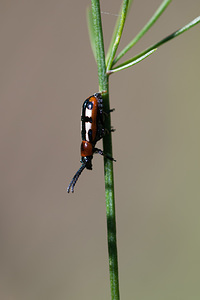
132	62
91	31
118	34
115	31
149	24
107	147
149	50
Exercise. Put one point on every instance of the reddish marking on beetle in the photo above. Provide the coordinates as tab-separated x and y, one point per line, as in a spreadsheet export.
86	149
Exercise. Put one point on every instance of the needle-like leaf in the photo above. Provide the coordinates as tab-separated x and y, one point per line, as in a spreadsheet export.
132	62
91	31
149	24
118	33
152	48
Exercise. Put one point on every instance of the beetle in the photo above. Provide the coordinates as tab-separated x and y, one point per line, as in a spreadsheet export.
92	130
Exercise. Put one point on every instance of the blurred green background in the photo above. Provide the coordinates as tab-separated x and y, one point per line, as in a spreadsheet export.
53	245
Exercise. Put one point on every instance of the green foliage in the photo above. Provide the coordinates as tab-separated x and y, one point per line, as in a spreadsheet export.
105	68
111	59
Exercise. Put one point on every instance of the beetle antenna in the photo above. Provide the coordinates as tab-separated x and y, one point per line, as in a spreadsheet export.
75	178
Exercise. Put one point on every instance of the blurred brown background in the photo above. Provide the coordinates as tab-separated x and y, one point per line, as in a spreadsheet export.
53	245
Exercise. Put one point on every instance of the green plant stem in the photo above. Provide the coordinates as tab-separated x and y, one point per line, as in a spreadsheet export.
107	147
149	24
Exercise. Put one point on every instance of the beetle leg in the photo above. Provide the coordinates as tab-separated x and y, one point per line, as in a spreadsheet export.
112	129
106	113
99	151
106	131
111	110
